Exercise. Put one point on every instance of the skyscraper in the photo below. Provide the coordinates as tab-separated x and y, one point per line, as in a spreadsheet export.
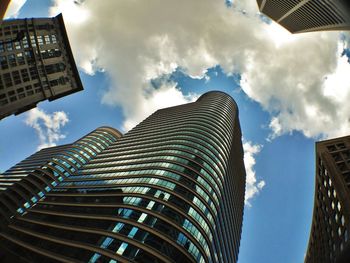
36	63
169	190
329	237
299	16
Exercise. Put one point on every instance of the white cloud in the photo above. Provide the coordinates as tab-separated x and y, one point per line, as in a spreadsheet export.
47	126
166	95
253	186
297	78
13	8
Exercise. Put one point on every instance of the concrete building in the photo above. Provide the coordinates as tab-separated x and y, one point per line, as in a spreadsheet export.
329	237
36	63
299	16
170	190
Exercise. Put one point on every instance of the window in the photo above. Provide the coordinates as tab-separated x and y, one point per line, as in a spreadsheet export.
9	46
25	42
29	90
12	60
7	31
340	145
29	56
51	53
33	73
8	80
17	45
3	62
16	77
40	40
20	58
53	82
25	75
63	80
53	39
44	27
331	148
32	40
2	48
53	68
47	39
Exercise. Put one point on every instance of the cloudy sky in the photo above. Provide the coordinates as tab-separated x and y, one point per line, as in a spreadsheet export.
137	56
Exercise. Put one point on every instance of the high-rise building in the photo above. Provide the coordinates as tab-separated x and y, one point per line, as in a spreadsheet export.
329	237
299	16
36	63
169	190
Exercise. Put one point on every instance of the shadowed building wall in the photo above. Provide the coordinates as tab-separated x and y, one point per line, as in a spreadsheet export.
299	16
170	190
329	237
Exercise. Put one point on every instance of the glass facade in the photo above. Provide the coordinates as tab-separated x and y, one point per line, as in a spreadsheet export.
171	189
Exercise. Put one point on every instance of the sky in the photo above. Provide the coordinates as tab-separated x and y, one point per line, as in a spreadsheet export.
137	56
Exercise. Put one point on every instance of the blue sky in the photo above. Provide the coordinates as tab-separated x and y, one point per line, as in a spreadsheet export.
135	58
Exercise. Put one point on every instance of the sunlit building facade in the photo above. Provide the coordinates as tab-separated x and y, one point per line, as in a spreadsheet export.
299	16
329	237
36	63
169	190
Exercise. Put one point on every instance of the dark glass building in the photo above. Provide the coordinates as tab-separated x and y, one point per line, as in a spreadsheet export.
299	16
170	190
329	237
36	63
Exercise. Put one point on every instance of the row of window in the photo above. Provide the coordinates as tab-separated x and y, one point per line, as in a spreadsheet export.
23	43
7	30
188	144
150	205
59	166
174	176
165	149
187	225
166	158
149	181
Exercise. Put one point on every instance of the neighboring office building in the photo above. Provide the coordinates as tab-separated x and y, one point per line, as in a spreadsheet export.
36	63
3	7
299	16
170	190
329	237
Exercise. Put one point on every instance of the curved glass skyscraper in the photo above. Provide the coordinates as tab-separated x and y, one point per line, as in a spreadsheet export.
170	190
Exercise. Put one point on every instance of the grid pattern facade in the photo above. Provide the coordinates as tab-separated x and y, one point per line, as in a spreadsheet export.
329	238
170	190
308	15
36	63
